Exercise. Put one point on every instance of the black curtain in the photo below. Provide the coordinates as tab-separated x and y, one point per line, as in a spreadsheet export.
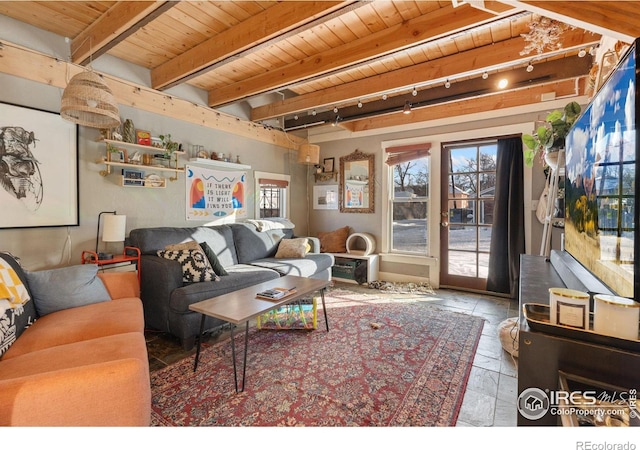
507	237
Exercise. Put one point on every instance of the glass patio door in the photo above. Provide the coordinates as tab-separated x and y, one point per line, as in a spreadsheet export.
466	217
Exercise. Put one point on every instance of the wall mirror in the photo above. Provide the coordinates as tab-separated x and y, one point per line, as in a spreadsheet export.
357	176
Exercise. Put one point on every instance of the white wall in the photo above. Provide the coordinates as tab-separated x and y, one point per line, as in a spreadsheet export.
50	247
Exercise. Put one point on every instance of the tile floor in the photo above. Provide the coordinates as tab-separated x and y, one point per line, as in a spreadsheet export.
490	398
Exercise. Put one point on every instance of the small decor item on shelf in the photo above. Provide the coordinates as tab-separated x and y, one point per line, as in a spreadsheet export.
143	137
111	152
156	142
238	159
129	132
154	181
168	145
133	177
136	158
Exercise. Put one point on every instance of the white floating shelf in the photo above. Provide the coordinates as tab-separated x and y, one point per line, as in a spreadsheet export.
217	163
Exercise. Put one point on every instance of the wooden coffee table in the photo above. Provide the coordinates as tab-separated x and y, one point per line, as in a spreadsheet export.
241	306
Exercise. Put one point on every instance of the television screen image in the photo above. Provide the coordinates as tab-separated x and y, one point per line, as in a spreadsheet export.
600	182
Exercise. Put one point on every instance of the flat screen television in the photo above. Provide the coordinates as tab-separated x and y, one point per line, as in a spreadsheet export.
600	182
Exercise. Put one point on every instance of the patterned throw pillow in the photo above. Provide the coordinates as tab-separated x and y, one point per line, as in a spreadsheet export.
16	307
195	265
292	248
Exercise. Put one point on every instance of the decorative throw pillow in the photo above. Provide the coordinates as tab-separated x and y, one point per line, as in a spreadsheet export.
213	259
195	265
11	288
14	317
189	245
67	287
292	248
334	241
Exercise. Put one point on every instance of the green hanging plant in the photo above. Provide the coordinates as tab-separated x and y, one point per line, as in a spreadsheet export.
550	135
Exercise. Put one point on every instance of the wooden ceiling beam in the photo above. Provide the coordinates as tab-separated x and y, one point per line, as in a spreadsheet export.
458	65
257	30
618	19
439	23
486	103
120	21
32	65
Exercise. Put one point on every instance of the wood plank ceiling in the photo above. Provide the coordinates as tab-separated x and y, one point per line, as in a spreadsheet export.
355	64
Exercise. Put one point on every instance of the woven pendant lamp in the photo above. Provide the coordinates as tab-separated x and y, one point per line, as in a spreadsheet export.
309	154
88	101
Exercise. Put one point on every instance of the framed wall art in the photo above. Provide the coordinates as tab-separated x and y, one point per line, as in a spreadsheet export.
325	197
38	168
328	165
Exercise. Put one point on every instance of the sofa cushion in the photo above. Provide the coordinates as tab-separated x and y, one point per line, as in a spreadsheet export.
334	241
219	238
213	259
292	248
252	244
195	265
308	266
14	320
67	287
74	354
80	324
100	382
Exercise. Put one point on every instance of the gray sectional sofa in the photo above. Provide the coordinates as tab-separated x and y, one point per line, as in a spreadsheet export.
247	255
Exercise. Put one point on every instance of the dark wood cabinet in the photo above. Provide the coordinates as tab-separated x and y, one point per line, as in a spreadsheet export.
542	356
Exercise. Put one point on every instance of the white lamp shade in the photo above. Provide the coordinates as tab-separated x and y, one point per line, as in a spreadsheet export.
114	228
309	154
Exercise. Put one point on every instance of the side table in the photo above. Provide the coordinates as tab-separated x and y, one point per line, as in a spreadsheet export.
346	264
91	257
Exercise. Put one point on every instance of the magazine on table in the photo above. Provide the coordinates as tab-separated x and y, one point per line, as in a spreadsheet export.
276	293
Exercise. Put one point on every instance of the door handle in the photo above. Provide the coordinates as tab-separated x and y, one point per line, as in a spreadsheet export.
444	224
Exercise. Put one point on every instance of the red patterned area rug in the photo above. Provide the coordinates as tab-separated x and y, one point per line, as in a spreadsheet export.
383	363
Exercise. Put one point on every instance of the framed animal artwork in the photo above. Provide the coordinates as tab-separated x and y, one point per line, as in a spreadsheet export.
38	168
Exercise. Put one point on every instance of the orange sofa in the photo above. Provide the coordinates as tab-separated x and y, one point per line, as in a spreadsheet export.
82	366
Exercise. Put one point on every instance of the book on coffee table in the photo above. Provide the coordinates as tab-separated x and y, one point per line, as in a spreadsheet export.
275	293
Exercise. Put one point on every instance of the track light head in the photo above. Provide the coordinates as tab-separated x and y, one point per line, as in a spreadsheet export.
447	84
530	68
485	75
582	53
407	108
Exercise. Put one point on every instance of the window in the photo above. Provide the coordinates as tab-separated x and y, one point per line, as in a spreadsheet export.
273	200
409	198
